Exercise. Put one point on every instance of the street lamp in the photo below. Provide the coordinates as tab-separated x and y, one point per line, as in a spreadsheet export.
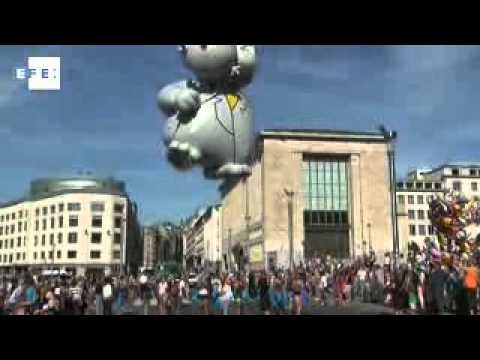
290	195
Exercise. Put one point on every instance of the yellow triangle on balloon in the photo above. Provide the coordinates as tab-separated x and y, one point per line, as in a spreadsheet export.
232	101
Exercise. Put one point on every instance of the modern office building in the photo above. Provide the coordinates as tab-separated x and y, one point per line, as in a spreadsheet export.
311	192
79	224
420	185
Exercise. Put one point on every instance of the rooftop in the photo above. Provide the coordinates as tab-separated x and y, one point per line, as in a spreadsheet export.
326	134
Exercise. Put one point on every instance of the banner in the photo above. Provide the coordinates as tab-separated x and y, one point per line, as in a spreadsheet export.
256	253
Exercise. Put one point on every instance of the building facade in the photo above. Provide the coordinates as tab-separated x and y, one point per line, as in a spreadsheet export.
310	193
78	225
420	185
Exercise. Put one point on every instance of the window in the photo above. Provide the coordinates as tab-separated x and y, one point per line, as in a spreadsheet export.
13	216
60	221
72	237
59	238
116	238
118	208
400	185
411	200
412	230
50	254
19	241
11	243
1	218
12	229
52	209
421	230
73	206
23	256
438	186
457	186
5	258
116	254
6	243
95	254
59	254
43	240
19	227
473	172
43	255
6	229
35	240
419	185
52	237
96	237
474	186
44	224
35	256
18	256
20	214
25	226
411	214
118	222
97	221
52	223
24	241
430	230
10	258
97	207
36	225
60	207
71	254
428	185
37	212
1	230
44	210
409	185
1	244
401	199
420	199
73	221
455	172
8	217
421	215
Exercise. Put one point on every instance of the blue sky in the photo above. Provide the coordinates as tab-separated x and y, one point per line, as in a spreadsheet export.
105	118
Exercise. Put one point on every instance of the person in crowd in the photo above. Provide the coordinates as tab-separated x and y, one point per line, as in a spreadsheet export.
162	296
107	296
263	288
98	298
470	284
437	284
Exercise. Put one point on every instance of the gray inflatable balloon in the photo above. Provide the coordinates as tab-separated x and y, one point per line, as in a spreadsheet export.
209	121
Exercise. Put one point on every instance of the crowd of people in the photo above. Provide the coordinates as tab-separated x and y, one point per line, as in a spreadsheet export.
427	280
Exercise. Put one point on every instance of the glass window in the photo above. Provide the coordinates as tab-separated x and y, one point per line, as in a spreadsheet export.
419	185
35	255
7	228
95	254
116	254
11	243
474	186
10	258
420	199
35	240
72	237
1	218
96	237
20	214
411	214
19	241
43	239
52	209
60	221
25	226
73	206
50	254
412	230
59	238
44	210
59	254
60	207
455	172
19	226
8	217
428	185
1	230
430	230
118	222
401	199
473	172
36	225
13	216
421	214
43	255
411	200
71	254
438	186
52	223
409	185
118	208
18	256
5	258
37	212
457	186
1	244
421	229
97	207
116	238
73	221
97	221
44	224
12	229
52	238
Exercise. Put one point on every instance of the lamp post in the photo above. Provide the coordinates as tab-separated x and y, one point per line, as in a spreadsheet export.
290	195
390	137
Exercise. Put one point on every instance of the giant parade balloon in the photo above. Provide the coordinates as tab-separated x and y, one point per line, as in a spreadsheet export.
209	120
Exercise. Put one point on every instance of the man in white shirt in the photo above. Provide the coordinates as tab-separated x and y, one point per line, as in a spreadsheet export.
361	277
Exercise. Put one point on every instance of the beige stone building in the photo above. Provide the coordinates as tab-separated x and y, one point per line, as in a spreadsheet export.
339	186
414	193
75	224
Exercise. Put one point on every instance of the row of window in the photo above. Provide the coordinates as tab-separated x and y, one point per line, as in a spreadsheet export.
71	254
457	186
411	199
420	185
94	207
96	238
11	229
473	172
421	214
422	230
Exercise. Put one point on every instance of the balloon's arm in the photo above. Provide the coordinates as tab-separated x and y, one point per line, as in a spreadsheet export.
167	97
